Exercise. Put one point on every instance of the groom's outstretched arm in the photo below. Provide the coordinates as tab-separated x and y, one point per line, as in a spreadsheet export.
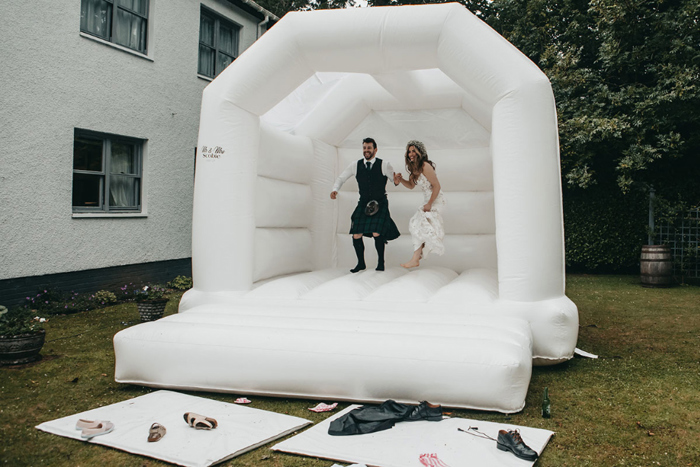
342	178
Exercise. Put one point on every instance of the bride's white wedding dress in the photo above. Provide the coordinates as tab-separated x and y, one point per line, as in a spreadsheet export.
427	227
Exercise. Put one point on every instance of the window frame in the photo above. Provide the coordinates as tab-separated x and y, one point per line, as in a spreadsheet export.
115	10
104	173
218	18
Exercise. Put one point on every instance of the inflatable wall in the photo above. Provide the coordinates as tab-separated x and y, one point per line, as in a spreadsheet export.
271	250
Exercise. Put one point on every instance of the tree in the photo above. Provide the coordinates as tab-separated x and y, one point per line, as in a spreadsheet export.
625	76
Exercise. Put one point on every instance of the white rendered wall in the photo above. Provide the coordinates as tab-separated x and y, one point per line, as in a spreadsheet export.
55	80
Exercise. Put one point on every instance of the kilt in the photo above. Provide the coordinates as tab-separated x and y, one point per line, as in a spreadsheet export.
381	222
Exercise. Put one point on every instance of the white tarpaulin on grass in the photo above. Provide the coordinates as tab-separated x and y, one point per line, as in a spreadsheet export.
404	444
240	428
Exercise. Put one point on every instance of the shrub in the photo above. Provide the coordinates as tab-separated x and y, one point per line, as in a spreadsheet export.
604	230
54	302
181	283
77	303
48	301
105	297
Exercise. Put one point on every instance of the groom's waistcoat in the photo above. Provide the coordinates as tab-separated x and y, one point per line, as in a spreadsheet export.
371	182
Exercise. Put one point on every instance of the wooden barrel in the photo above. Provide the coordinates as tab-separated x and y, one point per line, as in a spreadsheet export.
656	266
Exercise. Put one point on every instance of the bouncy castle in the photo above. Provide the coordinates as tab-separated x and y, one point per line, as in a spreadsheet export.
274	309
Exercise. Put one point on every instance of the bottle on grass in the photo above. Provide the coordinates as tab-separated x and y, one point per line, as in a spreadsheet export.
546	404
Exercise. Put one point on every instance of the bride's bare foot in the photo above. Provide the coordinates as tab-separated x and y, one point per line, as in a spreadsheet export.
414	263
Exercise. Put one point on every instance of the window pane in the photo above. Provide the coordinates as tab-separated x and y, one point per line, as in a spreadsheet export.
87	154
130	31
226	39
139	6
123	159
123	191
86	190
206	61
96	17
206	30
224	61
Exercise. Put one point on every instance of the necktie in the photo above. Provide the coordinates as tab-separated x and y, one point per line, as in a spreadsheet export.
369	165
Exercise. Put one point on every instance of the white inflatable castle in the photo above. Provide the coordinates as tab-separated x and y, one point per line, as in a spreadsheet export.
274	309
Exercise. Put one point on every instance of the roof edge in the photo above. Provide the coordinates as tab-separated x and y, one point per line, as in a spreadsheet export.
252	8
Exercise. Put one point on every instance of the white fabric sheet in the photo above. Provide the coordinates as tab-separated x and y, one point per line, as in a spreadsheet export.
402	445
240	428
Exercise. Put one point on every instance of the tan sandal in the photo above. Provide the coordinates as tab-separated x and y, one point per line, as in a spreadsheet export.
200	422
156	432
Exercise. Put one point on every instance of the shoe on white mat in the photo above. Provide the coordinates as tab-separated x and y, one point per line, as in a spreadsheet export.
102	429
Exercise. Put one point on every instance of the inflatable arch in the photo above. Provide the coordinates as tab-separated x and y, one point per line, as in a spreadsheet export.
274	309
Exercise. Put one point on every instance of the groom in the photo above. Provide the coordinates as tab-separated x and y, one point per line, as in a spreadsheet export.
371	217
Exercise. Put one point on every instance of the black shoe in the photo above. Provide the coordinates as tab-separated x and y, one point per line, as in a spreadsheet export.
358	268
426	411
511	441
380	267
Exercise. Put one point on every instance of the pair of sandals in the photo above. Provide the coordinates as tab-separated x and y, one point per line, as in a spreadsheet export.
199	422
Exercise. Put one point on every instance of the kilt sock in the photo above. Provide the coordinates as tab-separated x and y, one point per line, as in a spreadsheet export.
380	244
359	245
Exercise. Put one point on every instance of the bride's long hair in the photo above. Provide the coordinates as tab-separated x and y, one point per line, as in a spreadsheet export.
416	168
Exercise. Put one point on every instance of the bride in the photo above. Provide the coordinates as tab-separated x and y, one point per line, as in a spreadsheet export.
426	225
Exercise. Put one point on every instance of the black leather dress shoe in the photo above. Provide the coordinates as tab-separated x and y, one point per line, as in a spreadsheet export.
511	441
426	411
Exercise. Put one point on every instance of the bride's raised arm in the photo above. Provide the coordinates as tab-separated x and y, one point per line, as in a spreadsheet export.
398	178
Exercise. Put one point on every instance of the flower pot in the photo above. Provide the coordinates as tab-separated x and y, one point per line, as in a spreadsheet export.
151	310
25	348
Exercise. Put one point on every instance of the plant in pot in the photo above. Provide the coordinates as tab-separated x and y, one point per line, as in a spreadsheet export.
21	335
151	301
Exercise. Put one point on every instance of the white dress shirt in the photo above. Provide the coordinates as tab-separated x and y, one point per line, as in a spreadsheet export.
351	170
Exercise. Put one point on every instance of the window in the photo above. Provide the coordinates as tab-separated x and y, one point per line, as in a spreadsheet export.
218	43
123	22
106	173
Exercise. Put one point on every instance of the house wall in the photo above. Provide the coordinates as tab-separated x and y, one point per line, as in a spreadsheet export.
55	79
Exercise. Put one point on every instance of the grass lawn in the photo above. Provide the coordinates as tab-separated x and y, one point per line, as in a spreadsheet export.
637	405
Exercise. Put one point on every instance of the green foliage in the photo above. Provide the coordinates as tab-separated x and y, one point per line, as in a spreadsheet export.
625	76
150	293
604	229
181	283
76	303
105	297
53	301
19	320
46	301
